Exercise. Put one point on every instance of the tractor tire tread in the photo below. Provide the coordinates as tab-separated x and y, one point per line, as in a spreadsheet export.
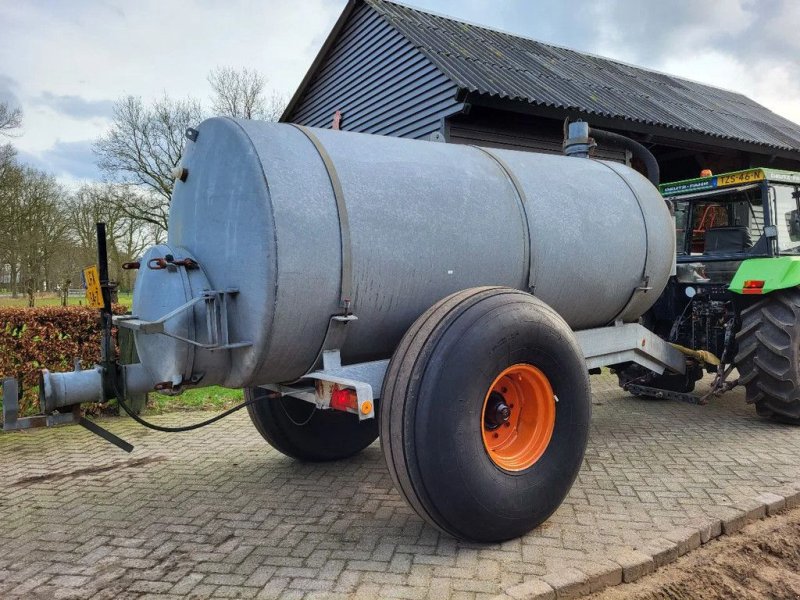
768	358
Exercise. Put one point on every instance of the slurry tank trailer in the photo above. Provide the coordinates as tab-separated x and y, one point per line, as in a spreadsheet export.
452	299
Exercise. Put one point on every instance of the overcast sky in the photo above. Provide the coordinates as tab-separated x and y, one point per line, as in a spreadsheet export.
65	63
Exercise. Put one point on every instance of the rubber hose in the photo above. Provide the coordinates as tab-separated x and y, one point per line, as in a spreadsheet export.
637	149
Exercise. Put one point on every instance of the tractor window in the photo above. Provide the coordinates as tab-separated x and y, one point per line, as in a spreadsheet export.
681	221
720	223
787	217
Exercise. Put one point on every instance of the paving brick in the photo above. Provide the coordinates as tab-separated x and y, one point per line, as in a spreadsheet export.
792	497
568	582
710	529
732	518
753	509
634	564
685	538
535	589
773	502
218	513
662	550
602	574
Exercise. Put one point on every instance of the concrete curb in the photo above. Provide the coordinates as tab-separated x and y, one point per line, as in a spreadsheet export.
630	564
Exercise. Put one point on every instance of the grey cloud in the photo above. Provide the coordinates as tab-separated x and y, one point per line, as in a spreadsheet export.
753	33
76	106
770	37
65	158
7	90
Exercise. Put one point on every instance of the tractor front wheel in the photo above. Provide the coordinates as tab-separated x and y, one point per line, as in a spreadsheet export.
769	355
485	414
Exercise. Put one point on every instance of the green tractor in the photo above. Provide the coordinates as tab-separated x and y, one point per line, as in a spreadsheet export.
734	301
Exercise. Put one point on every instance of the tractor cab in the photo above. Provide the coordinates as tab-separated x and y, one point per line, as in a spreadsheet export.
722	220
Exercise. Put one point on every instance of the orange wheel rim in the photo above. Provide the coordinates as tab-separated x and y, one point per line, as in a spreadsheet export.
518	417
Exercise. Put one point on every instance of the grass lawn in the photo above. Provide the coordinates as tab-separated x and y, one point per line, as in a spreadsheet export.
210	398
54	300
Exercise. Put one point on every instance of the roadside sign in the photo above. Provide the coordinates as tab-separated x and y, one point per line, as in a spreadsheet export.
94	295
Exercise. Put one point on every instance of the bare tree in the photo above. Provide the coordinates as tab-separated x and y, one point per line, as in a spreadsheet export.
10	118
143	148
241	93
127	238
38	228
145	142
11	182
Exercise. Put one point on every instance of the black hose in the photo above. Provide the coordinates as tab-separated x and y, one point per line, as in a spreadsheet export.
637	149
213	419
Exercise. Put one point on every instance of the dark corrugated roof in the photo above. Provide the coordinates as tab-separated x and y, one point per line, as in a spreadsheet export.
485	61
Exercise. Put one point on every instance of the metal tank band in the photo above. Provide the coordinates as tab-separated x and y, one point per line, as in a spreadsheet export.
522	207
344	222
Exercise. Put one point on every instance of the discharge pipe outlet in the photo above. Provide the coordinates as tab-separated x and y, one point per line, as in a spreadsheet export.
61	390
579	139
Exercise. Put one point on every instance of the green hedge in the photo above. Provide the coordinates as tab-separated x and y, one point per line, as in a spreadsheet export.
32	339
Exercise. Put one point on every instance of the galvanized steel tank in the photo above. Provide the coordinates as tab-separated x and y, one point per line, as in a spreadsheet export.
418	220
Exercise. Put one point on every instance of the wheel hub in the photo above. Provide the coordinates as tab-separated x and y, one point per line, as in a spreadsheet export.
497	411
518	417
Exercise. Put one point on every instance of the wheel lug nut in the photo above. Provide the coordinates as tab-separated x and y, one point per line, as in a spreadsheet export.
507	424
496	435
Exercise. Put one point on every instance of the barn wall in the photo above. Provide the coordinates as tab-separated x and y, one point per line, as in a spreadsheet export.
379	82
500	129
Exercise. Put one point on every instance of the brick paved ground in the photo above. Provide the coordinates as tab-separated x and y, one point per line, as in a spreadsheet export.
217	513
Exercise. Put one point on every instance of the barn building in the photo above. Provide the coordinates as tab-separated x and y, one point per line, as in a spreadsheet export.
390	69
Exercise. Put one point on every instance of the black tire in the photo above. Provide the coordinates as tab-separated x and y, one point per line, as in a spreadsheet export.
298	429
431	413
768	358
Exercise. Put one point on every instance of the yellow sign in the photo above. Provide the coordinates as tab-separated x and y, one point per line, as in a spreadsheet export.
94	295
740	178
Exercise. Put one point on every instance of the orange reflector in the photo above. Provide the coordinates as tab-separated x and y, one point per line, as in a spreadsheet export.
706	173
366	408
344	399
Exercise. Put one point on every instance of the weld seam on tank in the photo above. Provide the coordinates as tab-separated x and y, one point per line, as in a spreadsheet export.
645	264
265	350
522	204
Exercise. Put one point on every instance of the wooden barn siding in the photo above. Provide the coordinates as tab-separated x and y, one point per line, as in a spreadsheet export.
502	130
380	83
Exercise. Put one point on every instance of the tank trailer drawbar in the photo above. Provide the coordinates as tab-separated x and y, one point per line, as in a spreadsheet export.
451	298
